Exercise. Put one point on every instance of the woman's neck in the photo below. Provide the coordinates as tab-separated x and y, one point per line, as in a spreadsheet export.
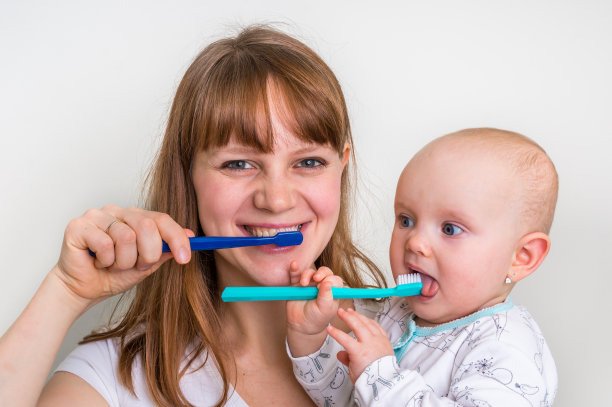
255	328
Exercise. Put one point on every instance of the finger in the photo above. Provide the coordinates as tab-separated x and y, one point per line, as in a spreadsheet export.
355	324
83	234
325	295
151	228
306	277
112	210
367	323
173	234
124	239
321	274
333	281
152	267
100	221
347	341
149	240
294	273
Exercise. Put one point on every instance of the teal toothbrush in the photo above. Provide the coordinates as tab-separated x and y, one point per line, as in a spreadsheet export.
407	285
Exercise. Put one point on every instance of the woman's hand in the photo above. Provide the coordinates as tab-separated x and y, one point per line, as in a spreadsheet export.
307	320
128	248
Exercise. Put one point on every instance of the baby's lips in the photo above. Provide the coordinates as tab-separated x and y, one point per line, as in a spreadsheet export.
430	286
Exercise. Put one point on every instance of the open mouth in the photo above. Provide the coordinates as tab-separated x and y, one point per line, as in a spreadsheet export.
430	284
258	231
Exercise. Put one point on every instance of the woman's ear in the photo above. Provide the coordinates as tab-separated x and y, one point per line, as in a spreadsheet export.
346	153
530	252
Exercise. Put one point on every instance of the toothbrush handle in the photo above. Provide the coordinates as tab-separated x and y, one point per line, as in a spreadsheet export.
223	242
346	292
231	294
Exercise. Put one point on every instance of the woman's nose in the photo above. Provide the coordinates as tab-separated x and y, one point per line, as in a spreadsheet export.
275	194
417	243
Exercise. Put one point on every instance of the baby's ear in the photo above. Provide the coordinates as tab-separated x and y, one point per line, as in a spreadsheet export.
530	252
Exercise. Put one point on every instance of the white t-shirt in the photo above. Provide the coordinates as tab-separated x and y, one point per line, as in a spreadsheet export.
96	363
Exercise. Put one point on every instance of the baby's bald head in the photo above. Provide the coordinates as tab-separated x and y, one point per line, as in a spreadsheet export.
526	161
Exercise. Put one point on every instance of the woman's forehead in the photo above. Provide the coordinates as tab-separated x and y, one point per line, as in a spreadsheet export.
285	141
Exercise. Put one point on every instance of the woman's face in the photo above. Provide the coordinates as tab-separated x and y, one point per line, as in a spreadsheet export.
244	192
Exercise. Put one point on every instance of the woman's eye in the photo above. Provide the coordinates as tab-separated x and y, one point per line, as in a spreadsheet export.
237	165
451	230
310	163
406	222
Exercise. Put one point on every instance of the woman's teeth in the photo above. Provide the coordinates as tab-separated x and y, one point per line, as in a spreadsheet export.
267	232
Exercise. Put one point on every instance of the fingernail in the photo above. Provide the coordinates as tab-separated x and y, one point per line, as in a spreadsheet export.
183	255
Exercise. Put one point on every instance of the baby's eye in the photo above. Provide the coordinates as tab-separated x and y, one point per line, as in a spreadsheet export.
310	163
237	165
451	230
406	222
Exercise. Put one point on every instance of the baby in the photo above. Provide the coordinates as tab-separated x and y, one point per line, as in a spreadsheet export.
473	210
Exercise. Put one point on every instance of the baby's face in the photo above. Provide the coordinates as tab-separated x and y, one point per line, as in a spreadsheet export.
456	223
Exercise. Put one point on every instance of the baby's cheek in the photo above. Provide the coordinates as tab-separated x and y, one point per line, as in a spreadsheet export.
461	287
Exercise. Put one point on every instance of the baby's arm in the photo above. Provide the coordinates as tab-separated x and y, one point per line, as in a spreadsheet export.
491	373
311	351
307	320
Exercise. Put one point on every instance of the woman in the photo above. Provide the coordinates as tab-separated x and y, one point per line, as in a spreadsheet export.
258	140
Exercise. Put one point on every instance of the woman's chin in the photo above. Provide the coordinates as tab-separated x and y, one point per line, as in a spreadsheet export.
270	276
276	277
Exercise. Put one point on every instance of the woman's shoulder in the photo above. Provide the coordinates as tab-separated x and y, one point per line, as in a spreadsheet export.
102	353
96	363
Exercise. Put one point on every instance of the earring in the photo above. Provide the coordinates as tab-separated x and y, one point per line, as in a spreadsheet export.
508	280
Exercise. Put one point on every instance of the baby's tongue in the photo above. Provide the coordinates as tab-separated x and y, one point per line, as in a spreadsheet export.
430	286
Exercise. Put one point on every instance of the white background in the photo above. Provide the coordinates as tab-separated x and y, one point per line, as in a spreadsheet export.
85	89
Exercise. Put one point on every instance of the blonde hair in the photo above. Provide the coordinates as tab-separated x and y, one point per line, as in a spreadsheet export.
529	161
174	313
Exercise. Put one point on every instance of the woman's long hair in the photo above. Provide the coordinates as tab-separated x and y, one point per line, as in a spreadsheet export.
174	318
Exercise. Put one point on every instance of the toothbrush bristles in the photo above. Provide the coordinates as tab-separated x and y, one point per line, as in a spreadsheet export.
408	278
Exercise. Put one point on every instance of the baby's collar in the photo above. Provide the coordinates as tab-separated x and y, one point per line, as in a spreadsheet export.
413	330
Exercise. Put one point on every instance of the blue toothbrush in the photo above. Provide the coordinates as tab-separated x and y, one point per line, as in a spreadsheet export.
222	242
407	285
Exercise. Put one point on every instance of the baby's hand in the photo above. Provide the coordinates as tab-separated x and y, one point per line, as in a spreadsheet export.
307	320
371	344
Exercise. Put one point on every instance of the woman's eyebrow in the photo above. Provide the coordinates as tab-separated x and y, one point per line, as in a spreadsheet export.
306	149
